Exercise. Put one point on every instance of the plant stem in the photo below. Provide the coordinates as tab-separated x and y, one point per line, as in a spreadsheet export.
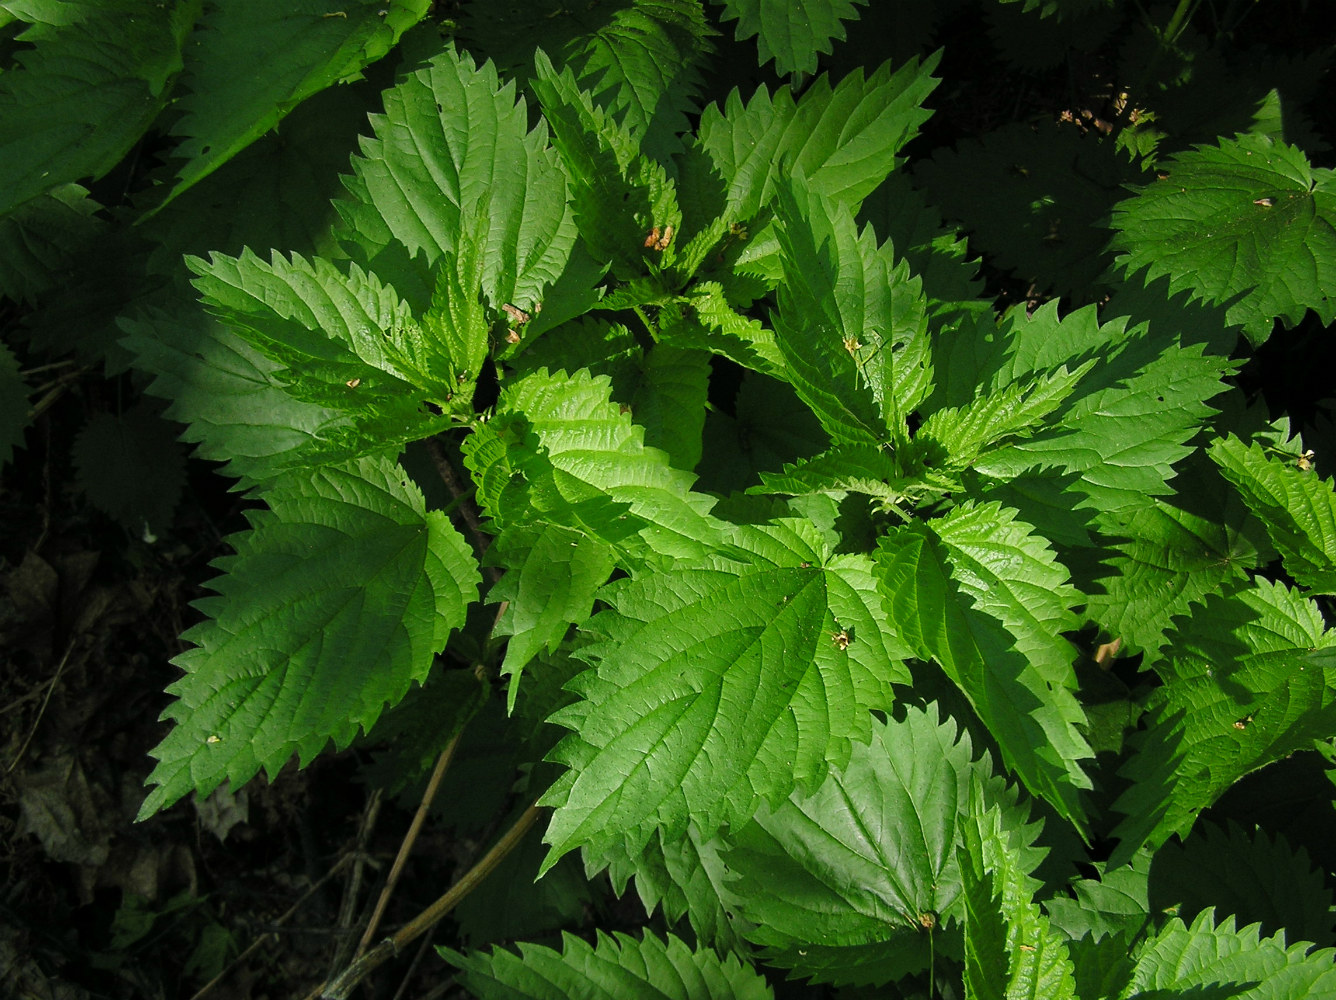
342	984
410	838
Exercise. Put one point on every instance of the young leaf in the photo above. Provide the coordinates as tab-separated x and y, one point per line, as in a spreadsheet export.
1004	928
617	966
1297	509
336	600
714	686
549	584
625	204
957	436
792	34
454	140
1249	679
853	468
703	317
843	140
851	324
303	51
584	465
87	81
347	339
982	595
455	327
1247	221
644	67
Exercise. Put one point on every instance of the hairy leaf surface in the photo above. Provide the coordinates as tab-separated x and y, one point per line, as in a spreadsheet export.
645	68
336	600
1163	560
1125	426
236	403
552	577
1004	927
1192	959
850	322
559	450
625	204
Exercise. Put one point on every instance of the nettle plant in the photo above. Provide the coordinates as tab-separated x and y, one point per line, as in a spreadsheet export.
872	632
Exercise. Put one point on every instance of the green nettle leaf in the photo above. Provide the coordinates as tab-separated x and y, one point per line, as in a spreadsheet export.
1249	874
1114	904
453	142
853	468
865	867
792	34
87	81
714	686
1297	509
843	140
1164	559
669	402
616	966
703	317
303	48
1248	681
1191	960
348	340
235	402
685	875
644	67
1125	425
983	595
560	451
552	578
41	239
1247	221
625	203
957	436
850	323
336	601
455	329
996	885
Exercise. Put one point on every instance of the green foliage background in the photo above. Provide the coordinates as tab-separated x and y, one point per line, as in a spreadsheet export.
812	431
